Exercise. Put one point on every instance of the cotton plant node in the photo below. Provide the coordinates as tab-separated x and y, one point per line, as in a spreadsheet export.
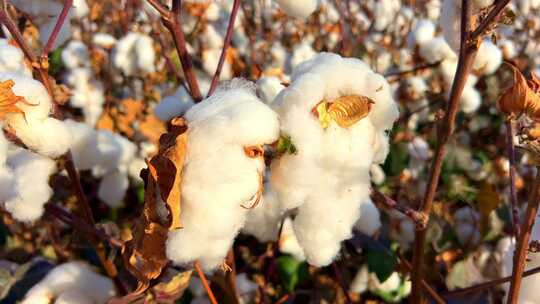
345	110
8	99
144	255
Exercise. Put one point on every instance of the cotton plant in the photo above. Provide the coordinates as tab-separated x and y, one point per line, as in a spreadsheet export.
134	54
219	180
326	181
87	92
71	283
393	290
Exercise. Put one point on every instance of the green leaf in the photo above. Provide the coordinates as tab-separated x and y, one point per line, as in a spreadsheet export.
285	145
55	62
381	262
291	271
397	160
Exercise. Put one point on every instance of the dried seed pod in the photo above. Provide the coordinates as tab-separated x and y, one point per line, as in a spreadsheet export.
348	110
521	97
8	99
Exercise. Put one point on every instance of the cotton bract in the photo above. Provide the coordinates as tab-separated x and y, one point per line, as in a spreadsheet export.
328	178
218	177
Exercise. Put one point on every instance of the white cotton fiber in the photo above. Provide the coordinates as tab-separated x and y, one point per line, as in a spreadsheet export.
104	40
385	13
370	221
302	52
30	185
87	93
268	87
328	178
288	243
297	8
72	280
436	49
470	99
80	8
112	188
218	177
38	131
210	59
423	31
263	221
466	225
84	145
134	53
75	54
12	59
488	59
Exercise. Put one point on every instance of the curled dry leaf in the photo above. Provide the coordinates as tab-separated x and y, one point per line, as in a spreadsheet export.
521	97
144	255
8	99
345	110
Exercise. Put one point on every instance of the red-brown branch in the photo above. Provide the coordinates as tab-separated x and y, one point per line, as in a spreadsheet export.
512	160
226	44
204	281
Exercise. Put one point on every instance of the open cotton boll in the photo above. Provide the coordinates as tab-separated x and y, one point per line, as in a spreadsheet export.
470	99
370	221
134	53
328	178
73	297
81	8
49	136
402	229
12	59
104	40
88	93
30	190
218	177
423	31
488	58
113	187
75	54
174	105
268	87
435	50
466	225
385	13
297	8
210	59
76	279
360	281
302	52
38	102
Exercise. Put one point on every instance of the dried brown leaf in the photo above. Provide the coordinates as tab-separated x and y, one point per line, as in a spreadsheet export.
144	255
8	99
521	97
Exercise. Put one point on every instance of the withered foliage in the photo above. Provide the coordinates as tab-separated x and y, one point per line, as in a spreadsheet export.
8	99
345	110
522	97
144	255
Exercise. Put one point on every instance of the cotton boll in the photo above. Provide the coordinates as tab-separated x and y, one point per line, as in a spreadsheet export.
112	188
104	40
88	93
218	177
377	174
268	88
211	38
75	54
6	183
488	59
31	188
174	105
81	8
360	281
299	8
73	297
134	53
470	100
508	49
84	145
369	221
423	31
402	229
288	243
450	22
12	59
385	13
435	50
70	280
38	102
328	177
49	137
210	59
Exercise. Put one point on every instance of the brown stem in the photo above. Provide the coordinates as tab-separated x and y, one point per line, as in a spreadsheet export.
414	69
466	58
226	44
230	277
59	22
204	281
512	160
171	20
417	217
520	253
485	285
434	295
493	16
341	282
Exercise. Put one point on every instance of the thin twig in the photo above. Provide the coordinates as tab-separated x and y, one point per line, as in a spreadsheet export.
466	58
57	27
415	216
414	69
204	281
493	16
486	285
434	295
230	277
520	253
226	44
512	160
171	20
